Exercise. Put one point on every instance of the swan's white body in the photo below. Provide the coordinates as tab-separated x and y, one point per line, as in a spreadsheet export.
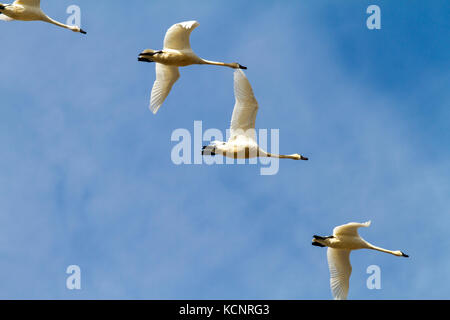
345	238
242	142
30	10
176	53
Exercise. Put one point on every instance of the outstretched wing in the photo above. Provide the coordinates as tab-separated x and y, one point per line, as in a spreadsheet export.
340	271
349	229
245	109
5	18
31	3
177	37
166	76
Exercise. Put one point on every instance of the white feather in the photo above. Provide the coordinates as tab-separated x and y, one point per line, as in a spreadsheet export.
177	37
5	18
245	108
340	271
166	76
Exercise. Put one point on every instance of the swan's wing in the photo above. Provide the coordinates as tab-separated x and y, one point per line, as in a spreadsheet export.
245	109
166	76
340	271
177	37
349	229
31	3
5	18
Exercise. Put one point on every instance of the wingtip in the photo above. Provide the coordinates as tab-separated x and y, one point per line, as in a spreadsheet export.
239	72
154	109
191	24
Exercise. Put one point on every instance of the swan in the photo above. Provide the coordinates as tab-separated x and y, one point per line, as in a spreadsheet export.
30	10
176	53
242	142
345	238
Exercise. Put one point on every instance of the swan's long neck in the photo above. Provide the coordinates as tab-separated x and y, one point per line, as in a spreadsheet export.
215	63
395	253
59	24
281	156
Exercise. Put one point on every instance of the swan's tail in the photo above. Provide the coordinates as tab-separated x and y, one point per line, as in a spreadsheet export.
2	16
5	18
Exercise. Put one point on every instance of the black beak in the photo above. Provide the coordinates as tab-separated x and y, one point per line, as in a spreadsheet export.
405	255
2	7
82	31
242	67
304	158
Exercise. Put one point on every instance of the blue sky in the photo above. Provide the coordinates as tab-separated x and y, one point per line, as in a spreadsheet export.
87	177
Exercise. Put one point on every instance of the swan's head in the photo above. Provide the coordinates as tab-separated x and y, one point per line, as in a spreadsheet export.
300	157
147	55
238	66
77	29
2	7
400	254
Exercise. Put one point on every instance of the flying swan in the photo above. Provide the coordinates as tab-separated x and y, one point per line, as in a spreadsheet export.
176	53
242	142
30	10
345	238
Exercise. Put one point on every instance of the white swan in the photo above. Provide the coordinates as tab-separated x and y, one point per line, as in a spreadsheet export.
176	53
30	10
345	238
242	142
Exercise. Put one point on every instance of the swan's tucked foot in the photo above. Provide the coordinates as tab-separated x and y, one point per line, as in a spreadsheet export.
317	244
143	59
146	55
208	151
405	255
322	238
